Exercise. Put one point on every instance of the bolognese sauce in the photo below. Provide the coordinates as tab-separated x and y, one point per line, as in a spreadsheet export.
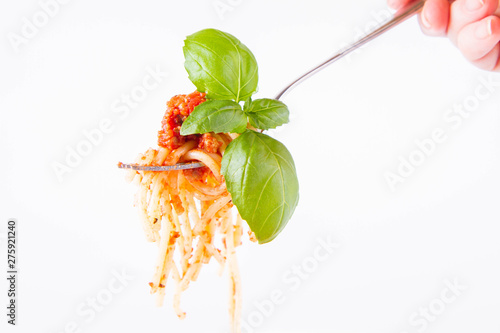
178	109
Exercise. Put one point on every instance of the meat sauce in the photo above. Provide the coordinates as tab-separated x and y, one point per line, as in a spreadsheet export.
178	109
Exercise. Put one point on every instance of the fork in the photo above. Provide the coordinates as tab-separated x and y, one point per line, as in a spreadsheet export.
400	16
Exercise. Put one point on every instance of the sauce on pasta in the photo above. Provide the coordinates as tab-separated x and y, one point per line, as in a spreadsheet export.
189	213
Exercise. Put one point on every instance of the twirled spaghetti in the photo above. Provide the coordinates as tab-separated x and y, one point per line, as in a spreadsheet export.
188	213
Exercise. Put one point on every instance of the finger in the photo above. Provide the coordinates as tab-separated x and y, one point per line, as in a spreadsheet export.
465	12
479	42
435	17
397	4
491	61
497	67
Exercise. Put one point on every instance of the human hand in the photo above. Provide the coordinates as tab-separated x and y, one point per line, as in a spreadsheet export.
472	25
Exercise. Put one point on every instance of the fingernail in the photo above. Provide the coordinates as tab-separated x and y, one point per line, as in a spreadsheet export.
425	20
473	5
484	30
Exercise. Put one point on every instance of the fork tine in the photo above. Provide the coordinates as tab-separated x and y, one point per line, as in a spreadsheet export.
178	166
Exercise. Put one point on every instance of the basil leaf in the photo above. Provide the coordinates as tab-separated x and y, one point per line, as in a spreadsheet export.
260	175
220	65
247	104
215	116
267	113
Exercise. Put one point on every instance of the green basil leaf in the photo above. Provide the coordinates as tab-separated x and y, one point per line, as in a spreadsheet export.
247	104
267	113
260	175
220	65
215	116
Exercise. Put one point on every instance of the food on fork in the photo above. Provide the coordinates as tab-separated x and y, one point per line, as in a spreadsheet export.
248	181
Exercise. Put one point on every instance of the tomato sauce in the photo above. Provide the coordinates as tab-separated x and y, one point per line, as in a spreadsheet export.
178	109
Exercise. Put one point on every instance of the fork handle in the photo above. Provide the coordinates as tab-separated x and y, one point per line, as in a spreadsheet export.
402	15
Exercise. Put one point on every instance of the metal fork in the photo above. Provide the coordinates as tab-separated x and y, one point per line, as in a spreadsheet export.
402	15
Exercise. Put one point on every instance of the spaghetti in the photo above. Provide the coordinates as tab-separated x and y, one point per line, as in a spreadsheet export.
188	213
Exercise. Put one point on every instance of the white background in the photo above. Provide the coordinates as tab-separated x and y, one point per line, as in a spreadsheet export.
350	126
